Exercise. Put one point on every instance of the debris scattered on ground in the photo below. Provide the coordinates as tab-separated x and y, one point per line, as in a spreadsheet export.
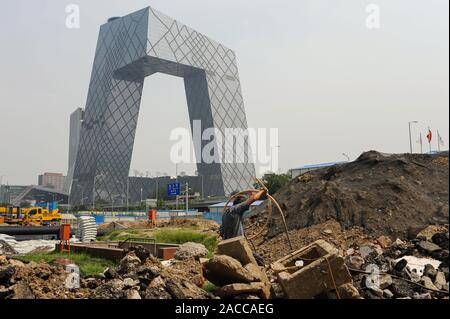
146	224
403	270
149	279
276	247
375	228
133	278
10	246
191	250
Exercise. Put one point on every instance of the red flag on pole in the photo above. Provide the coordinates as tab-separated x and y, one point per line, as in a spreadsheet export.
429	136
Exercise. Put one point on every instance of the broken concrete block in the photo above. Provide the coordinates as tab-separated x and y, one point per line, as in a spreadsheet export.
428	283
191	250
6	272
384	281
440	281
348	291
3	260
223	270
16	263
128	263
314	277
355	262
231	290
388	294
238	248
384	241
428	232
132	294
22	291
256	271
429	247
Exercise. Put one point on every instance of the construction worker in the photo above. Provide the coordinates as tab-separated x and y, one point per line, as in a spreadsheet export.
233	217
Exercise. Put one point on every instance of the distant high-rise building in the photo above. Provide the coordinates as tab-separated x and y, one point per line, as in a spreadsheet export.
52	180
76	121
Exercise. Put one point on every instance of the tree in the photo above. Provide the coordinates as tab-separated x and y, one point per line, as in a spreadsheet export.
274	182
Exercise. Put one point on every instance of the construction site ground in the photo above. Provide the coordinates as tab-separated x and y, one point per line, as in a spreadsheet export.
374	228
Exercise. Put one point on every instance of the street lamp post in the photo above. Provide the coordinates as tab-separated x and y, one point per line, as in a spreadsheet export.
410	139
176	180
157	190
203	196
201	175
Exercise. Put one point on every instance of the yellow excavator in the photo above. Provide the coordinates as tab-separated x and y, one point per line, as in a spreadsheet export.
30	216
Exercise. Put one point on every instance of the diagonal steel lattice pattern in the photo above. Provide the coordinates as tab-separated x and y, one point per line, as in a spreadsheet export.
129	49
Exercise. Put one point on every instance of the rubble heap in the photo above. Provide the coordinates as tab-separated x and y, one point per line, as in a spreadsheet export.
35	280
383	193
415	269
140	275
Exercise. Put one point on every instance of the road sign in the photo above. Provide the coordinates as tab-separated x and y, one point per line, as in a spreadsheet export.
173	189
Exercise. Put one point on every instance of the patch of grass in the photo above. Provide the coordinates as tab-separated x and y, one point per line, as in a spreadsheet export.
209	286
181	236
89	265
165	235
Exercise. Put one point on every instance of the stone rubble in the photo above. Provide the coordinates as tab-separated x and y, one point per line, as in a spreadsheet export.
416	269
377	268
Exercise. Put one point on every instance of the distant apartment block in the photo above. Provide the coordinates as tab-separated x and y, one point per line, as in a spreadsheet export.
52	180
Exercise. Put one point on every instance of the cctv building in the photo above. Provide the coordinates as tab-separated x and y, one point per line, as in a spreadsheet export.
129	49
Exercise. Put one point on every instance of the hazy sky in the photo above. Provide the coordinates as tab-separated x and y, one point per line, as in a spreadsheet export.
309	67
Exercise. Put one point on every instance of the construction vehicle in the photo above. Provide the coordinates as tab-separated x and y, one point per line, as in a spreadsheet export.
32	215
40	216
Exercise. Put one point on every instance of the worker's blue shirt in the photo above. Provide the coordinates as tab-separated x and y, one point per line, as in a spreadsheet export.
233	221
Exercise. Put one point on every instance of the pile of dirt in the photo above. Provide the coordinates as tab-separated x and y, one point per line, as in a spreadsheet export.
145	277
35	281
139	275
200	223
276	247
385	194
146	224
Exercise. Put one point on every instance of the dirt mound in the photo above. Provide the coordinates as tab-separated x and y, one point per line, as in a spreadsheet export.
385	194
331	231
145	224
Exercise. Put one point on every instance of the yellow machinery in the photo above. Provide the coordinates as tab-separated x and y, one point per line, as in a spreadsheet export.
41	216
32	215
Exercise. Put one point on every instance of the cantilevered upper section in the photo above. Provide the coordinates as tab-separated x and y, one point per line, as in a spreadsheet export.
129	49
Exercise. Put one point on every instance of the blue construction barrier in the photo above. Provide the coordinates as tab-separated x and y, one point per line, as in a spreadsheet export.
215	216
99	219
